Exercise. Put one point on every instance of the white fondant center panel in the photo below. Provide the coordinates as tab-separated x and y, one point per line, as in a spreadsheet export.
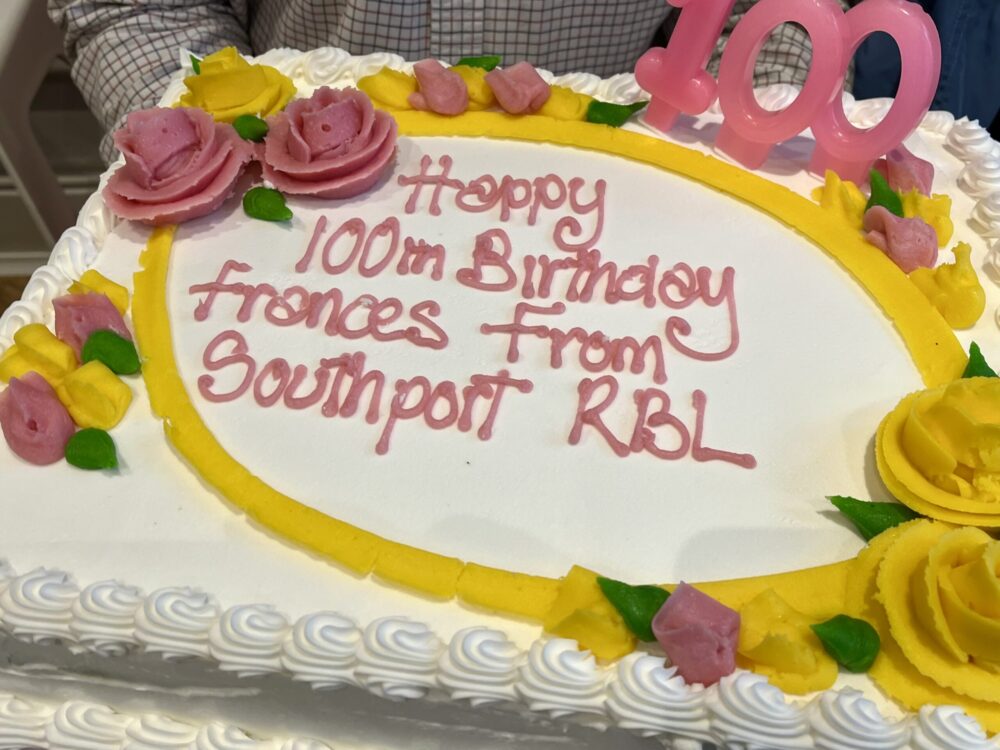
526	499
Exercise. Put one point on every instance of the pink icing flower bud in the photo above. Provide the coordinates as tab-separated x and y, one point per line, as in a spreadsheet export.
699	634
905	172
909	243
34	422
332	145
519	88
441	90
179	164
79	315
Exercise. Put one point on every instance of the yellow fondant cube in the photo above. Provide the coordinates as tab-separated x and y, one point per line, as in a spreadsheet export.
94	282
46	354
389	88
94	396
480	94
565	104
582	612
604	636
13	365
428	573
507	593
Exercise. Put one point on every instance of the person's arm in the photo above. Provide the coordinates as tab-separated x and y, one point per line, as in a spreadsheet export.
124	51
786	54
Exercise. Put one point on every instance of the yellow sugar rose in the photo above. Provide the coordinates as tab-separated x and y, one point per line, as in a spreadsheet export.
228	86
938	452
940	589
480	94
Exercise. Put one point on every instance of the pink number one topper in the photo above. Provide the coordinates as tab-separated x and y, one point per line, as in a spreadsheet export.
675	76
850	151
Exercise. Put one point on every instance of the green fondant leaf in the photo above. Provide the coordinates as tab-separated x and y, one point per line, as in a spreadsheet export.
853	643
977	367
266	204
883	195
637	605
486	62
871	519
615	115
92	449
250	128
116	352
196	65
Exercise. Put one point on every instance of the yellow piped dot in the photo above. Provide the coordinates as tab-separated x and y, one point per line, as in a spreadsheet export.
954	288
843	198
583	613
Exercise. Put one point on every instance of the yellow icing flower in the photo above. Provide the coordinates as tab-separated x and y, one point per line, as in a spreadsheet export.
389	89
94	396
842	197
935	210
954	288
776	641
94	282
565	104
938	452
37	348
480	94
228	86
583	613
940	589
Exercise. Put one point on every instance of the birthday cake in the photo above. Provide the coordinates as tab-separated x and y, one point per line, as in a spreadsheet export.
371	388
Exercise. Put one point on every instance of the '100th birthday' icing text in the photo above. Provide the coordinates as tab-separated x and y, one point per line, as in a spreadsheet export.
546	288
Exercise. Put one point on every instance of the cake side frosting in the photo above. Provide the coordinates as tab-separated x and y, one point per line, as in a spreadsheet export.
78	251
400	658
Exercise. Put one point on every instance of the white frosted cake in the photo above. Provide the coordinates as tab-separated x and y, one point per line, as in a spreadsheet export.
530	344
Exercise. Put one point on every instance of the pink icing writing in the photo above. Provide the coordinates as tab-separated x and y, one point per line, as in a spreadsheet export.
415	256
297	304
643	438
578	277
512	195
441	405
610	352
597	352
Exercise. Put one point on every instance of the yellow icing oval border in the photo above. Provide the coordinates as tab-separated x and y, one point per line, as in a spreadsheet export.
932	345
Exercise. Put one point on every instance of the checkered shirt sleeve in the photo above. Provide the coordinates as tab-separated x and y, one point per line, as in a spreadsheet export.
123	51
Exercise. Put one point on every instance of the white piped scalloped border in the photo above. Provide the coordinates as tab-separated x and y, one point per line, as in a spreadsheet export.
27	723
401	659
479	665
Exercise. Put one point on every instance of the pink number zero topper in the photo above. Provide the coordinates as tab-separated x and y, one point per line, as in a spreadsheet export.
675	76
676	79
850	151
749	131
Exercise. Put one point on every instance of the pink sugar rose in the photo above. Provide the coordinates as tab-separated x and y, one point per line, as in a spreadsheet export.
34	422
332	145
441	90
179	164
79	315
519	89
909	243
